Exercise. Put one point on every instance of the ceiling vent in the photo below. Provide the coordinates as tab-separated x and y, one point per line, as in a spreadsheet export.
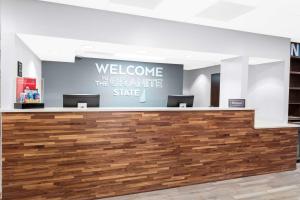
145	4
225	11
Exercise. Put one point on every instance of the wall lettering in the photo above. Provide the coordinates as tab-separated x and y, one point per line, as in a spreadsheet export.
295	49
129	80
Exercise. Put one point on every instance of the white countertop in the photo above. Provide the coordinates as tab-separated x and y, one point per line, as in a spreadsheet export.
258	124
265	124
118	109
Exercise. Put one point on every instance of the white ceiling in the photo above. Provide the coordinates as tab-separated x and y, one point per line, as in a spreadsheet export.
271	17
65	50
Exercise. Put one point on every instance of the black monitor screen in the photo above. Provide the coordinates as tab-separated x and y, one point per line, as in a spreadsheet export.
176	100
72	100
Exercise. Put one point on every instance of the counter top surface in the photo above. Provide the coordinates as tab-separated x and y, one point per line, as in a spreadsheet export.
118	109
266	124
258	124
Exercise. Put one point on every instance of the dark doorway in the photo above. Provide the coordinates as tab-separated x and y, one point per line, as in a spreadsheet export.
215	90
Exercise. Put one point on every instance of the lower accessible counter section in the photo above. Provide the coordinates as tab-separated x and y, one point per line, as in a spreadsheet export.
90	155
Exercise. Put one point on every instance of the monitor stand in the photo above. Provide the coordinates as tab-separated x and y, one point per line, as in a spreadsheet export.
81	105
182	105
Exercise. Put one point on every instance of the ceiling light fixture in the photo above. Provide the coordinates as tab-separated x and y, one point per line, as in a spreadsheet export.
225	11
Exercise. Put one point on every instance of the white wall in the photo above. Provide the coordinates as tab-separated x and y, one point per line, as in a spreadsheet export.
8	59
42	18
266	91
13	50
234	80
198	83
0	101
32	65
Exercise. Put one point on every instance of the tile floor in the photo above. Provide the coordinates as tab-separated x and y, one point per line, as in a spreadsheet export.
280	186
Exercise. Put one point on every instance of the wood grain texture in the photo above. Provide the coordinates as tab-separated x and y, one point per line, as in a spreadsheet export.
90	155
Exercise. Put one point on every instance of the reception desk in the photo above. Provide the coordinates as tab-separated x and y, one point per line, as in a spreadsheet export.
94	153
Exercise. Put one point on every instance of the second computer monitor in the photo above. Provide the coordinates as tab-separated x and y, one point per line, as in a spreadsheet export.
72	100
177	100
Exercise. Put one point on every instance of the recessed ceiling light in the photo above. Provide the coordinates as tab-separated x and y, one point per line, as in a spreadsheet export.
225	11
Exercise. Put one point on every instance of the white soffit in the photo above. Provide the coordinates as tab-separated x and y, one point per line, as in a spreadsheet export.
225	11
65	50
260	61
145	4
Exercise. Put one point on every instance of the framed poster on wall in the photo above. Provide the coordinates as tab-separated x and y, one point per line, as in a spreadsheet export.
22	84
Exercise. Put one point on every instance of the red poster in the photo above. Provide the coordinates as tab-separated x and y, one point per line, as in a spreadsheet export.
23	83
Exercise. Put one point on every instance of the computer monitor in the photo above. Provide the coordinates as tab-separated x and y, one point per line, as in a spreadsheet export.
176	100
72	100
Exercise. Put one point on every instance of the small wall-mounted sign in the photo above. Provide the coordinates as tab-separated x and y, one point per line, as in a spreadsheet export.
20	66
295	49
237	103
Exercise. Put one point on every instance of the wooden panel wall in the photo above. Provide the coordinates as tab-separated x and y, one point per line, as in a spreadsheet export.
85	156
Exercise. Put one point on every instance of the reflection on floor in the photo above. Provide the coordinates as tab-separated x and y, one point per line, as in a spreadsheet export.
281	186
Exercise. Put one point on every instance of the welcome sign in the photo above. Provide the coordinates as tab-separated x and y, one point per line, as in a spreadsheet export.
129	80
119	83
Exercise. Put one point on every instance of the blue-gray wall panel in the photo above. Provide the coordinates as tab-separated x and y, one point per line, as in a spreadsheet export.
81	76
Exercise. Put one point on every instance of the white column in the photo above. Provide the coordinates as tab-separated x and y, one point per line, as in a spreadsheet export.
234	80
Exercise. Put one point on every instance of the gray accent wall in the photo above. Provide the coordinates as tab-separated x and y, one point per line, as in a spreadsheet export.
121	86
